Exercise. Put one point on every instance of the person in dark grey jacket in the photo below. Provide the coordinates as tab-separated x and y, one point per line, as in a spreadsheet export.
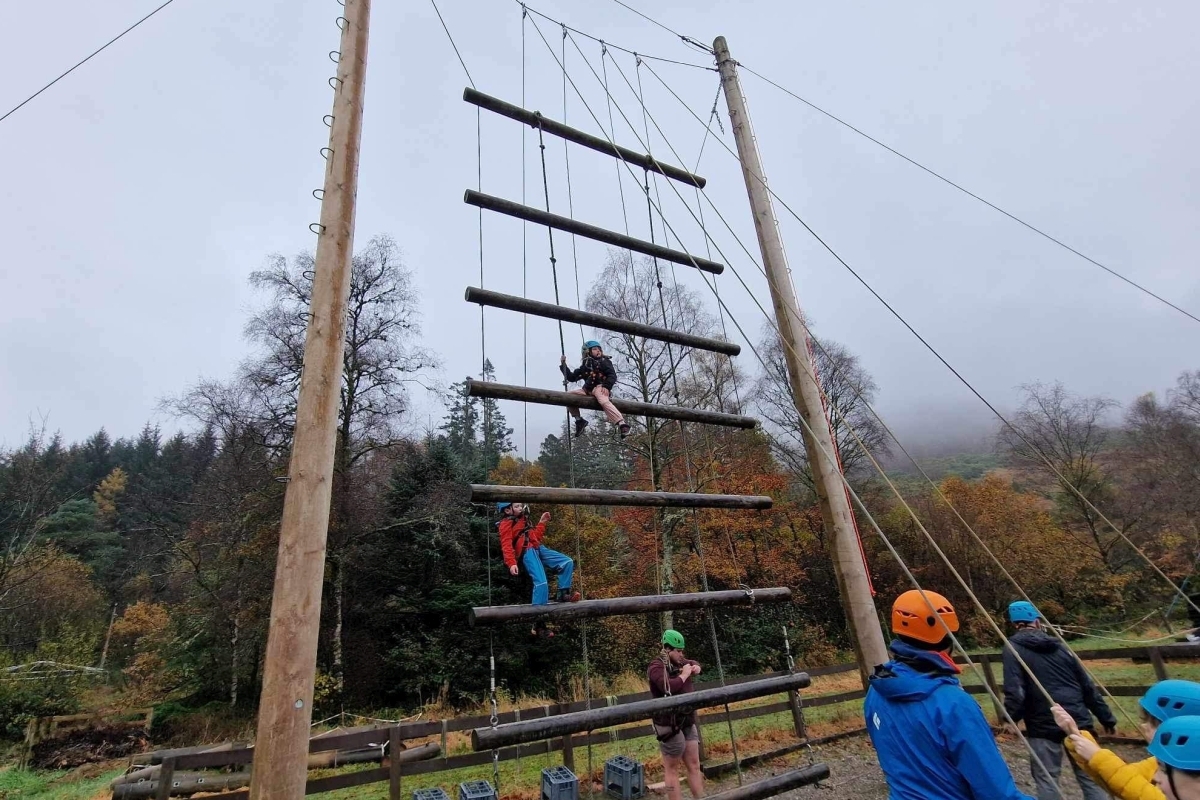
1059	671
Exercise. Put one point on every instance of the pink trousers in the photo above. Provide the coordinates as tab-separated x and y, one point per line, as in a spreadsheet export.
601	395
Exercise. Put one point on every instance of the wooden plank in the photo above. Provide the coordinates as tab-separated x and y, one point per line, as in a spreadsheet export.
616	606
166	777
394	747
488	493
485	297
636	408
989	676
539	217
776	784
349	779
536	120
533	730
1156	659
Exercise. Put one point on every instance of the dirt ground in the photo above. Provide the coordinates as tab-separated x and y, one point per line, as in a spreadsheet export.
855	774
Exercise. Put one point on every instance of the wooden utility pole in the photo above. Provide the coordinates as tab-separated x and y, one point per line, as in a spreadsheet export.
853	581
285	707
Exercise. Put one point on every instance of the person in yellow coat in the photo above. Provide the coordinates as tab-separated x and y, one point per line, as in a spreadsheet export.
1165	700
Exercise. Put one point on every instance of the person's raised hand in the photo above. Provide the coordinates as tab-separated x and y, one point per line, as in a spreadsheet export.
562	359
513	570
545	517
1085	748
696	669
1064	720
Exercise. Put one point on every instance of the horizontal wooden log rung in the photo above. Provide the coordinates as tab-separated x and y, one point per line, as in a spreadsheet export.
539	217
485	493
579	721
523	305
536	120
617	606
776	784
554	397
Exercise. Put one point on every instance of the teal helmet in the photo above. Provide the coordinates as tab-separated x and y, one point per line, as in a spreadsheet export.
502	506
1022	611
590	343
1174	698
1177	744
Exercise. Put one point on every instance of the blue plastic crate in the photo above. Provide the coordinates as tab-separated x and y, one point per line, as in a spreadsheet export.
624	778
559	783
436	793
476	790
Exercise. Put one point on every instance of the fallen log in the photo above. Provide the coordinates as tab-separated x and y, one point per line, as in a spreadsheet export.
184	784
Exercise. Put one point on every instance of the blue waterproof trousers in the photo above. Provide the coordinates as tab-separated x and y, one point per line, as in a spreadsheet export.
538	562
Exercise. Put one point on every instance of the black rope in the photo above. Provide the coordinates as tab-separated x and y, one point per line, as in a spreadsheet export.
971	194
683	435
452	43
598	40
83	61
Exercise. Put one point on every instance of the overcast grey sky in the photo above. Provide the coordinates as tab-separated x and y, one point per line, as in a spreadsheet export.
140	192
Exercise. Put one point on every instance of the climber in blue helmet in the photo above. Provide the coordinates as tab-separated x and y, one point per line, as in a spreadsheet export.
1176	745
599	377
1063	677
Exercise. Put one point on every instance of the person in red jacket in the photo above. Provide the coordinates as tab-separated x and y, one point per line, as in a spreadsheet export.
678	737
521	543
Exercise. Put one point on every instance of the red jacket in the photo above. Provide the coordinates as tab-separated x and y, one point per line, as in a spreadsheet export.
516	536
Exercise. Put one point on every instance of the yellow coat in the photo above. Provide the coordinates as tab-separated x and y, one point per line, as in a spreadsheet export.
1126	781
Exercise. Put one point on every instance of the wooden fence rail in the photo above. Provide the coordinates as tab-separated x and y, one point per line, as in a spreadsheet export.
393	736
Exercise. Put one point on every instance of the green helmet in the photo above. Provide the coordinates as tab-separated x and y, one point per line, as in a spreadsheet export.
673	639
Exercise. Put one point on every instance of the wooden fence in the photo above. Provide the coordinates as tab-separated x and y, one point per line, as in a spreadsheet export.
392	737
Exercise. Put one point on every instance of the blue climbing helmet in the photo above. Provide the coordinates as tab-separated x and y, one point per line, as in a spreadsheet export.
1177	743
502	506
1022	611
589	344
1170	699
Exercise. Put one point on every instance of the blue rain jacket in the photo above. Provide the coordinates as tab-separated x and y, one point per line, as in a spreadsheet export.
931	737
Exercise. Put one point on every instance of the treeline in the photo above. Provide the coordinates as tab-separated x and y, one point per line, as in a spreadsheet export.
173	539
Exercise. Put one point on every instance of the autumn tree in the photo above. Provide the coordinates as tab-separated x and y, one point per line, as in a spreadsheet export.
848	390
1065	439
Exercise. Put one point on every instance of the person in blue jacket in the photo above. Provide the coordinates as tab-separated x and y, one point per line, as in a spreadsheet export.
931	737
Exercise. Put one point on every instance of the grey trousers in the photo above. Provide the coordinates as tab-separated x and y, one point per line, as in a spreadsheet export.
1050	754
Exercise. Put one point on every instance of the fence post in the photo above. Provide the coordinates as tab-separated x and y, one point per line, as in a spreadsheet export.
1160	668
166	777
394	747
700	733
986	662
568	749
797	716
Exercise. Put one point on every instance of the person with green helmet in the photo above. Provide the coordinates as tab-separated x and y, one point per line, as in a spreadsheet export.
671	673
599	377
1164	701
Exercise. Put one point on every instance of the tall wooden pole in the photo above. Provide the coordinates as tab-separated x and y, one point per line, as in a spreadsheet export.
285	707
853	582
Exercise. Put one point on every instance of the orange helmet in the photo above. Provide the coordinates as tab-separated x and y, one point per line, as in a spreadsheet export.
914	617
